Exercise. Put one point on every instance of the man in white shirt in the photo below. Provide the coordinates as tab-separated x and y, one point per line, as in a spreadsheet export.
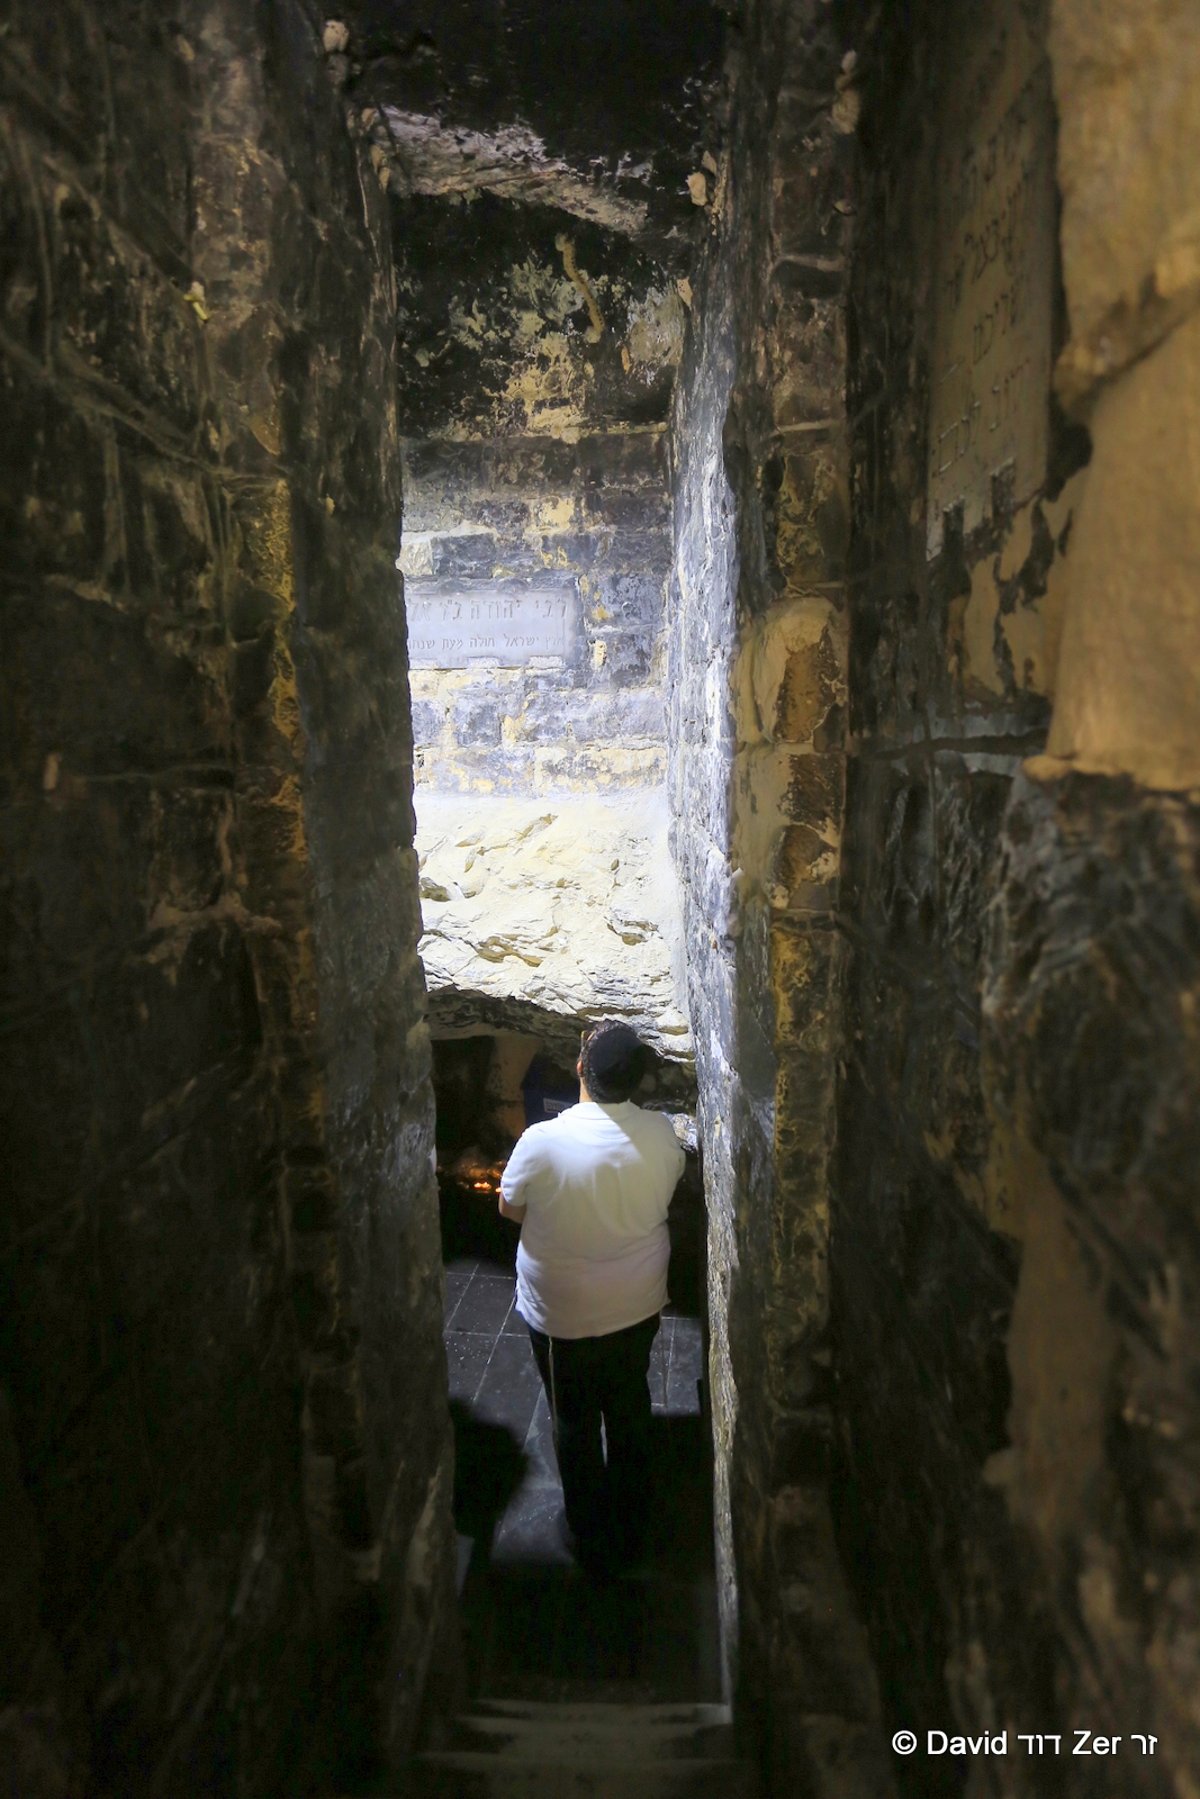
590	1190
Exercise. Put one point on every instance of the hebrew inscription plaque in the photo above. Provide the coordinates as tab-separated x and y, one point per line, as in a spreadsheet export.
453	624
993	307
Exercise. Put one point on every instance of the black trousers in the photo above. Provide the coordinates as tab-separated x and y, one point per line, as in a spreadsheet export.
589	1379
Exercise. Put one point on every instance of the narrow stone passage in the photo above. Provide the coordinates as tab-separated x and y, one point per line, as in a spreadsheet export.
517	514
535	1625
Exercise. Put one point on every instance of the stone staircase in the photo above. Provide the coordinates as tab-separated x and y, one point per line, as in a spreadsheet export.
510	1749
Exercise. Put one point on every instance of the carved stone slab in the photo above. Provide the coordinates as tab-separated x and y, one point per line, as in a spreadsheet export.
452	624
996	262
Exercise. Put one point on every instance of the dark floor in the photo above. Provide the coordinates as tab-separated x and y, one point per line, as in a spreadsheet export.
536	1626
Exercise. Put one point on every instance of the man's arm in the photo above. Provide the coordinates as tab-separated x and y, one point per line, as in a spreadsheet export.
518	1170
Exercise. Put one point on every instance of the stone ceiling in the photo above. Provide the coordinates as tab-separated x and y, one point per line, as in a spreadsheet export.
550	167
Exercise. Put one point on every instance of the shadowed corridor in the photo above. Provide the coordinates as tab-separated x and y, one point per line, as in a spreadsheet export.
513	515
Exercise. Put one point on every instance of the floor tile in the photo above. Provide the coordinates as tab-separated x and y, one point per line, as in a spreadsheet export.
456	1284
530	1533
509	1391
485	1305
529	1613
467	1357
467	1265
539	1446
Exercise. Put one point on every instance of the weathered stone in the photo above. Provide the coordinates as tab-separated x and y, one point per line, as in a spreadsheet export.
1090	1004
475	717
756	670
1127	165
808	348
214	1031
566	906
1137	711
811	685
428	718
811	204
578	709
470	554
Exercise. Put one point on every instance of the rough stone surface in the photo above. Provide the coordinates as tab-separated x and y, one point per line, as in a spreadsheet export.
943	986
1131	270
1016	1108
592	518
554	911
1129	172
538	163
757	709
940	713
220	1260
1092	972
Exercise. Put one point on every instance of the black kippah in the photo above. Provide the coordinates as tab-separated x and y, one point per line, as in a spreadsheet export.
612	1047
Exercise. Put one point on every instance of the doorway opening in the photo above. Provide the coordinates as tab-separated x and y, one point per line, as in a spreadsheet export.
535	1625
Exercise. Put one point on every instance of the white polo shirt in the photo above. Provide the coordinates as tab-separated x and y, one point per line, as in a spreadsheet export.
595	1182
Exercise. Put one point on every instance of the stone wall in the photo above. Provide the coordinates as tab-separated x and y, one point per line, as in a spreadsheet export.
1016	1112
534	570
223	1443
757	696
587	523
542	915
1091	957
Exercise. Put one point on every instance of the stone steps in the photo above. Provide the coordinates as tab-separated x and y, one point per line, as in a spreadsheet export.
525	1750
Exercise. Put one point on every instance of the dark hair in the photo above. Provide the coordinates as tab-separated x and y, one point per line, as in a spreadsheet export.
612	1061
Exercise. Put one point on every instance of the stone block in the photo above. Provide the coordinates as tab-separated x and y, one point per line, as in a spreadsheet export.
54	485
598	765
806	347
811	205
642	553
643	509
25	293
503	770
576	550
159	705
816	789
508	518
622	658
619	460
171	562
803	869
806	508
1117	235
475	717
619	718
628	600
428	720
467	555
811	685
121	322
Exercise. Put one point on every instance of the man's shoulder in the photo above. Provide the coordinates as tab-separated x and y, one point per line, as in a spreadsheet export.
533	1134
658	1126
